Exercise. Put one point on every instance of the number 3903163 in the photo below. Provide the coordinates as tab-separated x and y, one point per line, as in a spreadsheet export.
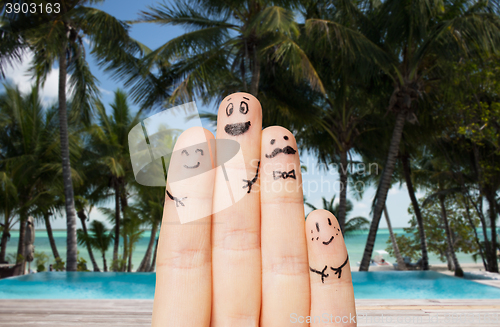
32	8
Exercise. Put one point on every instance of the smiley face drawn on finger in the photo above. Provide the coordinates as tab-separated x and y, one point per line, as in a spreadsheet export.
237	128
186	153
286	149
330	239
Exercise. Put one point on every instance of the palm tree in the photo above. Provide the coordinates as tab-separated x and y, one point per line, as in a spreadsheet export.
109	143
417	35
227	47
8	199
397	253
405	162
99	239
442	179
82	204
352	224
58	37
131	233
30	152
149	207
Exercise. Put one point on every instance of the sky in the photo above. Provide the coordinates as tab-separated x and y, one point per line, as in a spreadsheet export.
318	183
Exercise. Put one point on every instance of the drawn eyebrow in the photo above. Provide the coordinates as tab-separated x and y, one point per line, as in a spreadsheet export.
329	222
246	98
184	151
199	150
228	99
317	227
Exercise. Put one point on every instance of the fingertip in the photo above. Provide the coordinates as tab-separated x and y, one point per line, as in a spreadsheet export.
324	238
239	114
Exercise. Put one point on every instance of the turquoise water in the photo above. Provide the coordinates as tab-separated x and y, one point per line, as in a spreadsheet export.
367	285
355	246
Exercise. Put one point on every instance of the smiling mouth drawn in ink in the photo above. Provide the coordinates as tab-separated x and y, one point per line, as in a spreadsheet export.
237	128
286	150
187	154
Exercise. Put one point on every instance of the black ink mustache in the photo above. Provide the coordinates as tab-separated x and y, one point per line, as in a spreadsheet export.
237	129
286	150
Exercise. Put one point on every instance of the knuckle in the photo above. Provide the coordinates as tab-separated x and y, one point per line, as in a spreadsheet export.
292	265
186	259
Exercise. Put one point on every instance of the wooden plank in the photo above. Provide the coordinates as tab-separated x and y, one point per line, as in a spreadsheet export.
125	313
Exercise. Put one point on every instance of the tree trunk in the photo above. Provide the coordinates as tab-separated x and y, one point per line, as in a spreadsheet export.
123	265
52	242
127	255
153	263
385	183
20	244
449	259
397	254
83	217
146	261
484	226
254	84
115	266
416	209
474	228
490	196
5	238
129	268
343	191
104	262
458	270
490	247
71	244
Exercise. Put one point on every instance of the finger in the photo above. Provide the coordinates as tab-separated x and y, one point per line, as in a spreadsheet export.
332	295
285	268
183	271
236	257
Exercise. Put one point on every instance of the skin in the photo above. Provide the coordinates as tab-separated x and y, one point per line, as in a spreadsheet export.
249	263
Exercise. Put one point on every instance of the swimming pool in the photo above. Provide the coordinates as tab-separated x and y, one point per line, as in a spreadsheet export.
367	285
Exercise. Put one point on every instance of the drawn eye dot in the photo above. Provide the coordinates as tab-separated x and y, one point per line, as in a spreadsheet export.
272	141
317	238
285	137
312	239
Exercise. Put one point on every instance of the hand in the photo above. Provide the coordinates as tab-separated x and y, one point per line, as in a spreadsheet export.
255	260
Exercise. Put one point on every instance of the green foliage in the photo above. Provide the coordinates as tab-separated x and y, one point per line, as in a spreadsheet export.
41	258
118	264
59	265
463	236
408	246
81	264
98	236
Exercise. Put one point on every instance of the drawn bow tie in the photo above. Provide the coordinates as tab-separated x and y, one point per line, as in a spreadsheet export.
279	174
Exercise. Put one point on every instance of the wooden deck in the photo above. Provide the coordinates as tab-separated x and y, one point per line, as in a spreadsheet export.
385	313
